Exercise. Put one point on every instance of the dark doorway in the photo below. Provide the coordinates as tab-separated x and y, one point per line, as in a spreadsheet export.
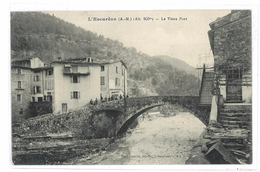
64	107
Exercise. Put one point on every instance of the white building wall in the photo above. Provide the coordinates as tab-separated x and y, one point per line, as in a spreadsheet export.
121	78
247	90
105	88
36	62
223	88
89	88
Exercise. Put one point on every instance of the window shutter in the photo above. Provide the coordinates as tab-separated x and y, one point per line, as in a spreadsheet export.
78	79
52	85
79	95
71	95
71	78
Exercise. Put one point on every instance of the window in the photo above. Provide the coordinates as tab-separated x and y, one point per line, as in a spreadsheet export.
102	80
64	107
33	99
67	69
19	97
49	72
117	82
74	79
75	95
37	78
21	111
19	84
116	69
102	68
49	98
36	89
19	71
49	85
39	99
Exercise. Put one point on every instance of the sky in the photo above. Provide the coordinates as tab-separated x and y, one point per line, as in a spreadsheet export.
184	38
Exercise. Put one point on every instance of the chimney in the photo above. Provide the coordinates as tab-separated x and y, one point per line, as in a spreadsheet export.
89	60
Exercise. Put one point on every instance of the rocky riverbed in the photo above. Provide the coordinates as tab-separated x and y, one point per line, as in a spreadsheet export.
157	140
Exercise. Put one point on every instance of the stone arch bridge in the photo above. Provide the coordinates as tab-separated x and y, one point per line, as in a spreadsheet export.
107	119
125	111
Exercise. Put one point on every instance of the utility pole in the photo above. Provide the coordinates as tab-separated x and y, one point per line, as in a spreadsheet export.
124	93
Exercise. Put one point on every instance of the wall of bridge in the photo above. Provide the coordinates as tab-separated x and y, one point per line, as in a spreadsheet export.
106	119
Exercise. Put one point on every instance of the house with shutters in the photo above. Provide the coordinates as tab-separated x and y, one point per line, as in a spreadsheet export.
20	92
64	84
76	82
21	86
113	80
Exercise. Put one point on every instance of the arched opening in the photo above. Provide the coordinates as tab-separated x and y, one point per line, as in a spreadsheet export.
125	126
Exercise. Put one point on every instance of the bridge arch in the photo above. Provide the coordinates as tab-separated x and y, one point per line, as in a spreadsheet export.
124	112
128	122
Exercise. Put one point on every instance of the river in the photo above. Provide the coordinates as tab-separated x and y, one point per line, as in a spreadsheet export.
157	140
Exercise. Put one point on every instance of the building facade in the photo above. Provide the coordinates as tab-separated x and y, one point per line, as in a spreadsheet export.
75	84
113	80
64	85
30	63
230	40
20	92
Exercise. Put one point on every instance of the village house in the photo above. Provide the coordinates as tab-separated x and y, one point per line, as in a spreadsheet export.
21	81
113	80
76	82
64	85
20	92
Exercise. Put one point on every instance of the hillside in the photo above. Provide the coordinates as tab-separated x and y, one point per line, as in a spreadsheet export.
35	34
179	64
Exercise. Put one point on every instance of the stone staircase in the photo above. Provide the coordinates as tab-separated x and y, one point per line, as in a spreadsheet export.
233	133
206	88
236	115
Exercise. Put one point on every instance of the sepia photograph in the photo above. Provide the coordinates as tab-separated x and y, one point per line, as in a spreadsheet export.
158	87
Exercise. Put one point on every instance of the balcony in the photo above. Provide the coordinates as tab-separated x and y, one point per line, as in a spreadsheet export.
69	71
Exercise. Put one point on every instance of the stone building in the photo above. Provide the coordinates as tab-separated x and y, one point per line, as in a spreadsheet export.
31	63
64	85
231	107
21	85
230	40
20	92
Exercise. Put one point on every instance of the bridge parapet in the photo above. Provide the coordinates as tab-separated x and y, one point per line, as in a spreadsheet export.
125	104
120	110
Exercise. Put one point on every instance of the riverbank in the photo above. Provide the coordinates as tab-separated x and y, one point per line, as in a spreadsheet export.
197	153
159	140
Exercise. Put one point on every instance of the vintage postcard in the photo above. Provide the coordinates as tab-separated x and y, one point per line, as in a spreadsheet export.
163	87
